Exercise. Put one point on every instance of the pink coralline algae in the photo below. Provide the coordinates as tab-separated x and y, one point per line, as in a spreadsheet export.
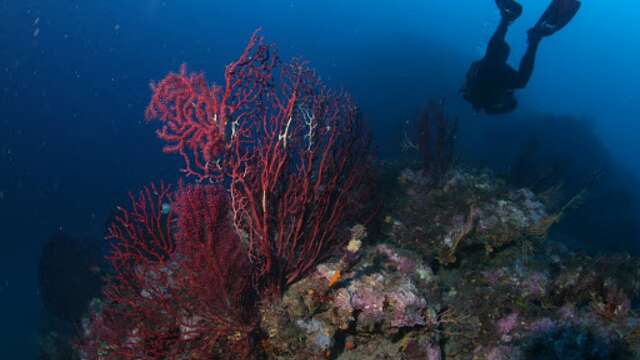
374	302
389	297
383	298
406	306
368	298
508	323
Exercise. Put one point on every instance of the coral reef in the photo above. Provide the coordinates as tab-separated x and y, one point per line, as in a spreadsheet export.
512	286
543	151
469	209
270	254
286	163
528	298
381	306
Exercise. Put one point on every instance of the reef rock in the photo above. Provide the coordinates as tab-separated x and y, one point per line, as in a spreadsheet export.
467	210
380	303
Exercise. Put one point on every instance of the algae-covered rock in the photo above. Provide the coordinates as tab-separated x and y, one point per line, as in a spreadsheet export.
463	272
468	210
380	298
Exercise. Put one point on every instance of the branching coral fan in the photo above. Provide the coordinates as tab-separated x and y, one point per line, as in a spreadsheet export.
287	162
174	294
293	153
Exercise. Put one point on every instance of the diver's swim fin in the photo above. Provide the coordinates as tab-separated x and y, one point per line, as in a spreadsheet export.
558	15
509	9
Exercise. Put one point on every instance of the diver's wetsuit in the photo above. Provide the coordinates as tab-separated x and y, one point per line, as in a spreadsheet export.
491	81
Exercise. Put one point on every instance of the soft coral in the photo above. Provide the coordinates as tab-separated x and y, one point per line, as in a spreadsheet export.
176	293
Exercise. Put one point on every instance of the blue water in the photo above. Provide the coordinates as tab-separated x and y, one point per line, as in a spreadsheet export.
74	81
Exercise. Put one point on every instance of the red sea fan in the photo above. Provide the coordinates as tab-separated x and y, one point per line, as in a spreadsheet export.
291	163
218	293
181	287
199	119
292	154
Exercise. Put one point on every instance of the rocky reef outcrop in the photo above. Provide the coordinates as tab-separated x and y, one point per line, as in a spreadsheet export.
462	270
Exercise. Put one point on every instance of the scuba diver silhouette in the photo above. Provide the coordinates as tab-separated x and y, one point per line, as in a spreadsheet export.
491	82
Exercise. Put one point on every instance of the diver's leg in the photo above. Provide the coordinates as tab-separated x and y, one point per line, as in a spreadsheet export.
498	49
557	15
527	63
500	34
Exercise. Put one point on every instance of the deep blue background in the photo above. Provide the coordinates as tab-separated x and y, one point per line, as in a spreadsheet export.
74	83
